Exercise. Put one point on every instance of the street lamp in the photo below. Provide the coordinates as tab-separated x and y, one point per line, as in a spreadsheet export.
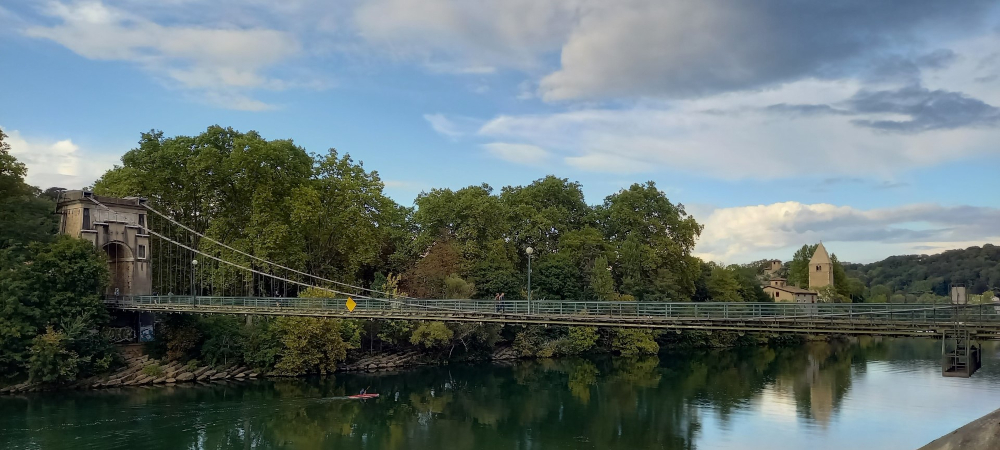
194	265
529	251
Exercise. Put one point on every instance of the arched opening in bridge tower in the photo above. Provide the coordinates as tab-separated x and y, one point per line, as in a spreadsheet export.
120	263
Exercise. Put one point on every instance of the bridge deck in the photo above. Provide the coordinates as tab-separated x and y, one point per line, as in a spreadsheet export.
983	321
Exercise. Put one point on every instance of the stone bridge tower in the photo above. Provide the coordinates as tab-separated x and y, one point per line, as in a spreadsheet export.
117	226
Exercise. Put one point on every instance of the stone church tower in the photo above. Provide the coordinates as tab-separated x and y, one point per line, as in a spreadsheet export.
820	268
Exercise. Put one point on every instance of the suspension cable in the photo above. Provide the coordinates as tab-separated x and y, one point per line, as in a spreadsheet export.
373	291
254	271
334	291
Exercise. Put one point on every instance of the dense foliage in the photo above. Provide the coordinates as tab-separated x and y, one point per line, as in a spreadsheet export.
326	215
50	307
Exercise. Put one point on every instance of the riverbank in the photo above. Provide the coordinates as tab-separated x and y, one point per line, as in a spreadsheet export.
144	371
141	370
980	434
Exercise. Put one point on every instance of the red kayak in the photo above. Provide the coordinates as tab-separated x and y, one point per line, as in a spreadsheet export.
362	396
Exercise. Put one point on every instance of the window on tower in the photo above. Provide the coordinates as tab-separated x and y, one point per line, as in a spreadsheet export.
819	268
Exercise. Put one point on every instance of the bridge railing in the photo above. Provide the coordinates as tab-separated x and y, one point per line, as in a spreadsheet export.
848	312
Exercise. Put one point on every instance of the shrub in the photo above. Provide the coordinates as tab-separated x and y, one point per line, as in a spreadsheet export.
51	360
431	334
153	370
308	345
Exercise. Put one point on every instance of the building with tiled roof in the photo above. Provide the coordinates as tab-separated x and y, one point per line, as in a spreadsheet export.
780	291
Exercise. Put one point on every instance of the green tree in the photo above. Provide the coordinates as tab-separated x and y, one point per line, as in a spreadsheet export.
457	288
601	282
52	284
798	268
577	340
51	359
12	172
432	335
345	223
24	216
557	277
723	285
471	217
654	239
830	294
497	271
224	338
426	279
309	345
632	341
541	213
749	278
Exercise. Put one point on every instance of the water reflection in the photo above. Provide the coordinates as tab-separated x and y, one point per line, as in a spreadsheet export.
819	395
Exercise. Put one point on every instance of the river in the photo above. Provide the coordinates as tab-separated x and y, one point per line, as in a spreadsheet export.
879	394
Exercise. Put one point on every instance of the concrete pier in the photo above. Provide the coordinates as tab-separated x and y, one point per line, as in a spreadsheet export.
981	434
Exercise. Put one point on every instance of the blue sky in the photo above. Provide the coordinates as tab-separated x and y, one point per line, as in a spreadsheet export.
870	125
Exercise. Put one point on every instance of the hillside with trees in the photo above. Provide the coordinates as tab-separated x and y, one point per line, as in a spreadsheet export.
912	277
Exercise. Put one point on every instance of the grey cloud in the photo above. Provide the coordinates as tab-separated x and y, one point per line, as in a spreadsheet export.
909	69
687	49
804	110
937	59
928	110
891	185
829	183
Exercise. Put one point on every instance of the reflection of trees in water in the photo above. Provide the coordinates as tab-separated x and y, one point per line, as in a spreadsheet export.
579	403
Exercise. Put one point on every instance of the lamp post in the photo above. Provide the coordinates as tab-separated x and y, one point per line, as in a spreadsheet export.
194	265
529	251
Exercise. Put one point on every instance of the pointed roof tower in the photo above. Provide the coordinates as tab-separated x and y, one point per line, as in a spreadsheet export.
820	256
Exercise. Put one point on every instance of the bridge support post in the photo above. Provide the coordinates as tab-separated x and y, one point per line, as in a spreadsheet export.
960	356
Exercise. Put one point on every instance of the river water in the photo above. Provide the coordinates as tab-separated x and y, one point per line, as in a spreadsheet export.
879	394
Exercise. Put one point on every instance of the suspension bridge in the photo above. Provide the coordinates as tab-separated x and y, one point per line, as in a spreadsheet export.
160	265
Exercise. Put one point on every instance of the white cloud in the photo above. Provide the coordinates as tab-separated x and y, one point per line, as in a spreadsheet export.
223	62
59	163
732	136
524	154
745	233
443	125
468	37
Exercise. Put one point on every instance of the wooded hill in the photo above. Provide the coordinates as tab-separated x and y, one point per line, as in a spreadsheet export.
976	267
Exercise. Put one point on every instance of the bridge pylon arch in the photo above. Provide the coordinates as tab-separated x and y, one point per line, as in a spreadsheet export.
117	226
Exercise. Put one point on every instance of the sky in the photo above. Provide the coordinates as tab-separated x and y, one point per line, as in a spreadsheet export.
872	126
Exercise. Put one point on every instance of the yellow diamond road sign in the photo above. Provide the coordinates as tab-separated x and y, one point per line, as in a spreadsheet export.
351	304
